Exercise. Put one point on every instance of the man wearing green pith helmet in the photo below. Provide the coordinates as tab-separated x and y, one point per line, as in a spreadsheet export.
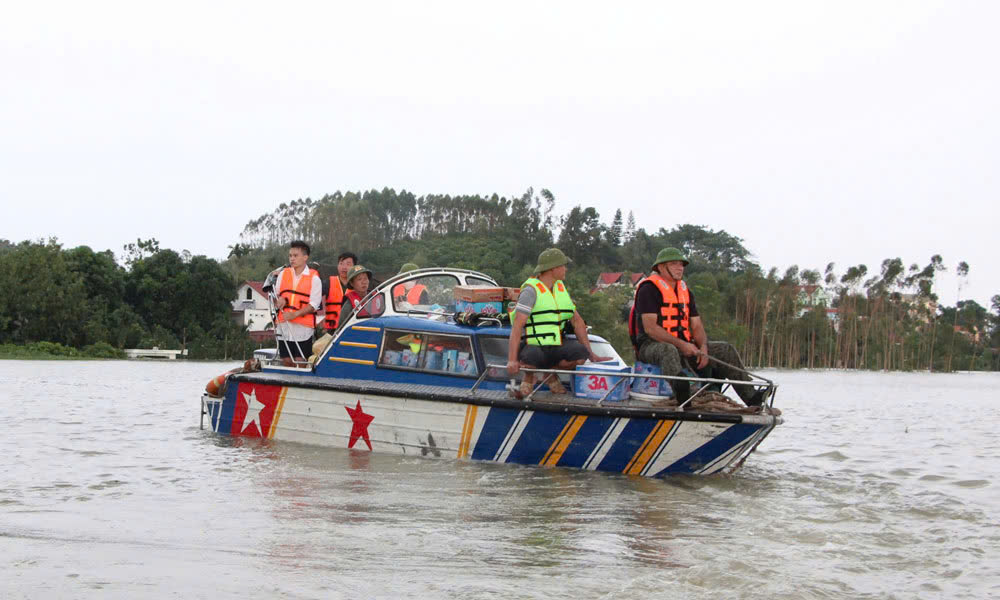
667	331
543	308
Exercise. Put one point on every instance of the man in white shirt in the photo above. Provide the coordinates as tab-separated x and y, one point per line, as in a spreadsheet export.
300	294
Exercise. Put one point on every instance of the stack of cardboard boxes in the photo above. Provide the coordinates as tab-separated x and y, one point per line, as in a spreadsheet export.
484	300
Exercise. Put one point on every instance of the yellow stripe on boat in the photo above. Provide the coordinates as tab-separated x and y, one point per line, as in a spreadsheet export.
359	344
355	361
364	328
648	447
467	427
277	413
563	441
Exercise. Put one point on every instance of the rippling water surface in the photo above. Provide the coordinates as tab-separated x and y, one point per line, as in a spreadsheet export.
877	486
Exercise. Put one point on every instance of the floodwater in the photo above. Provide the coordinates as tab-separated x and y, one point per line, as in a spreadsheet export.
877	486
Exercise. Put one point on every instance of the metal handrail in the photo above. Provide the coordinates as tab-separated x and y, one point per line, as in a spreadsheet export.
770	385
272	301
740	369
429	270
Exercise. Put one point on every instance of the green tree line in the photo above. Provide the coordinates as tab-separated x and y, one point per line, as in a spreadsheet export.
78	302
889	318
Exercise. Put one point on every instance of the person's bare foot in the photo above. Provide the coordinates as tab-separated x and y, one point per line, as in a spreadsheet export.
556	386
527	384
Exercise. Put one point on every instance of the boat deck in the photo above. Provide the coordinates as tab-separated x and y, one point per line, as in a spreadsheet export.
542	401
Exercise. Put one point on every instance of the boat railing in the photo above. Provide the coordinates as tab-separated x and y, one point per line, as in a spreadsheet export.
272	302
758	381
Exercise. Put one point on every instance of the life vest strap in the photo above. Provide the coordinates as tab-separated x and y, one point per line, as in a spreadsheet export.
539	335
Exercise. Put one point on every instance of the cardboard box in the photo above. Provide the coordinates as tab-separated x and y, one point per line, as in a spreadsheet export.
594	386
486	308
471	293
647	387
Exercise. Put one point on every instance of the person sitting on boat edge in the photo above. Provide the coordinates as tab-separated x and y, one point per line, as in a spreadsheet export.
536	334
300	293
666	330
411	292
358	279
337	289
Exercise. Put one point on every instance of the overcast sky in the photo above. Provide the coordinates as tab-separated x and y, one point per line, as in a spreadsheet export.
840	131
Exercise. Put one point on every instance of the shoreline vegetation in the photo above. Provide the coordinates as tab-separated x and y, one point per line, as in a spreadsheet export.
54	351
88	304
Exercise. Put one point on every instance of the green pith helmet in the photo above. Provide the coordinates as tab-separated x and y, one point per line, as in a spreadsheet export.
357	270
407	268
669	254
550	259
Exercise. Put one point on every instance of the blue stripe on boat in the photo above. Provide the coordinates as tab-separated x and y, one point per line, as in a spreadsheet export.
712	450
537	437
228	407
586	439
498	423
627	445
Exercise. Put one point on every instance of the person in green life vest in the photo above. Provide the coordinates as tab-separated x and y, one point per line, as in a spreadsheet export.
536	335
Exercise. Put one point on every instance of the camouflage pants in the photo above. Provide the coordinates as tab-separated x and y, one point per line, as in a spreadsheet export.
671	362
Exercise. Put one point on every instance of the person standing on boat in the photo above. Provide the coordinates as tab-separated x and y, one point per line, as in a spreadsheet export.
337	289
300	293
667	331
411	292
543	308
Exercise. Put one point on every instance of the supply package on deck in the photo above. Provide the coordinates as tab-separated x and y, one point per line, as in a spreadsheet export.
647	387
480	299
595	386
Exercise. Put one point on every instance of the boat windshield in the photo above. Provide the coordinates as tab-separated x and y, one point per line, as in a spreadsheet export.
430	293
473	280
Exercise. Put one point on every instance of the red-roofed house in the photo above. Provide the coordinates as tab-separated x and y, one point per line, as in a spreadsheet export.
812	295
251	310
608	279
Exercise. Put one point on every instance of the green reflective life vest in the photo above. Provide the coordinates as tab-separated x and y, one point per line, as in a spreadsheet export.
552	309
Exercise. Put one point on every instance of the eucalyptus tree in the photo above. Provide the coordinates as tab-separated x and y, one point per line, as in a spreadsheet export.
962	272
849	315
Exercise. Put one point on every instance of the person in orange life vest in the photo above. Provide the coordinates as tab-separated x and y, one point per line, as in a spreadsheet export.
667	331
411	292
337	289
543	309
358	279
300	293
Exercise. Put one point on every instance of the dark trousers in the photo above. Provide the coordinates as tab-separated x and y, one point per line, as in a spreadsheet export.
670	361
297	350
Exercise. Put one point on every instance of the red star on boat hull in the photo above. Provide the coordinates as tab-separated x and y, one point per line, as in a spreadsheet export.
360	428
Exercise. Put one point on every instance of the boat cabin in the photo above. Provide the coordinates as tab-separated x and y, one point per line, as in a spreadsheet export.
405	331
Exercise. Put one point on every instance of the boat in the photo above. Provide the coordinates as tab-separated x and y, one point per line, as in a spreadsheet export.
422	380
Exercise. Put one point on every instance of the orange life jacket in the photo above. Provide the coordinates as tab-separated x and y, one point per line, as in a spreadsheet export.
412	296
674	315
296	296
334	303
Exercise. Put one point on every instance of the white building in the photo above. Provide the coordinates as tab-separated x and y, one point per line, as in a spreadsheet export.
811	296
251	310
